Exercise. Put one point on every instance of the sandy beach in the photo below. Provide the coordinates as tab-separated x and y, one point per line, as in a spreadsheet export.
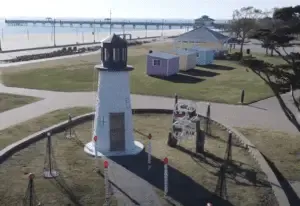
22	41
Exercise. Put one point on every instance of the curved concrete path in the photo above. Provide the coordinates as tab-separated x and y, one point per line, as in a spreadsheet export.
264	114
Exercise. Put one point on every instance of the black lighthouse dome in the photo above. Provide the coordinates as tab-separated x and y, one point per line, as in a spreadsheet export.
114	53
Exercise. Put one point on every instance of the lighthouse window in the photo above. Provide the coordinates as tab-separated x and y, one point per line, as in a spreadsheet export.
116	54
124	54
106	54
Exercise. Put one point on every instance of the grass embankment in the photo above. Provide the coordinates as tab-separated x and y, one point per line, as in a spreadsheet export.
198	175
281	148
17	132
77	183
11	101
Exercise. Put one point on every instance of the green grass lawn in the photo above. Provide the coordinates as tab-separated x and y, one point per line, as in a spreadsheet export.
221	82
271	59
22	130
275	59
195	173
77	183
281	148
198	175
11	101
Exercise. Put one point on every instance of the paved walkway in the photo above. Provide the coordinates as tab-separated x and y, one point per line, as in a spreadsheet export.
264	114
130	189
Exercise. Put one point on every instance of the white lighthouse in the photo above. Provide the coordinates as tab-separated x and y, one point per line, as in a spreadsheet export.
113	124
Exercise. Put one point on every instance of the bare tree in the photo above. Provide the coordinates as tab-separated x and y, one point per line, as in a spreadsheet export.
243	21
284	77
268	22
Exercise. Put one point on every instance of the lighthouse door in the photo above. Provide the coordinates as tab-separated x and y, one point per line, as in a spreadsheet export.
117	131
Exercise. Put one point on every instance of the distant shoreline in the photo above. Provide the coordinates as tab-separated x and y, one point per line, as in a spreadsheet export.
4	63
24	42
69	45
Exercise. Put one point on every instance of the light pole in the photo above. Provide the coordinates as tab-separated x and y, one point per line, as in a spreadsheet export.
187	28
49	19
146	28
27	33
110	26
1	39
123	31
94	30
162	28
109	19
98	29
53	22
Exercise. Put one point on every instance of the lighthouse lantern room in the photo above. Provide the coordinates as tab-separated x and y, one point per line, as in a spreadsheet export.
113	124
114	53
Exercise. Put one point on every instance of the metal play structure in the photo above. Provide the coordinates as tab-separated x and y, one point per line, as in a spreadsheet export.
186	125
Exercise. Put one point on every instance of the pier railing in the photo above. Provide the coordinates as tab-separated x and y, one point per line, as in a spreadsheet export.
21	22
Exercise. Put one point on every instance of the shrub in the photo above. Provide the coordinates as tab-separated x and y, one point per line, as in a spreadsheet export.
252	63
236	56
220	55
82	50
130	44
295	55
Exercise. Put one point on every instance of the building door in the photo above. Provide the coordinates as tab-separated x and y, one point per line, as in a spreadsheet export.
117	131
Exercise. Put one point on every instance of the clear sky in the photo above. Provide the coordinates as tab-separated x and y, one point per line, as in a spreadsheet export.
166	9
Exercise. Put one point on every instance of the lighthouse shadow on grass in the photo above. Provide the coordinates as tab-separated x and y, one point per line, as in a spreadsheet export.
182	188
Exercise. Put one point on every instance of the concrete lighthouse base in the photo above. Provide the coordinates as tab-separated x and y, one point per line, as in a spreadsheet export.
90	149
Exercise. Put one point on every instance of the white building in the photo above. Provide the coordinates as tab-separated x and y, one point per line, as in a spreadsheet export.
203	21
187	58
113	124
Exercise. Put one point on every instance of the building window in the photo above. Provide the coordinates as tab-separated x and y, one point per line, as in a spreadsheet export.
156	62
116	54
124	54
106	55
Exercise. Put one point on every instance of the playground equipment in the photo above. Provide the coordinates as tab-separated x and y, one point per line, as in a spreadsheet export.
184	121
186	125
